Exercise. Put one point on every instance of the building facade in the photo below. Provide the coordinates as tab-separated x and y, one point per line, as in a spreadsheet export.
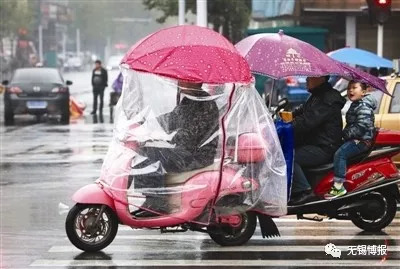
347	21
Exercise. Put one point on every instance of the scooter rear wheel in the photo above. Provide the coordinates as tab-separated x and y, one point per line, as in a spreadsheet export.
83	231
376	215
235	236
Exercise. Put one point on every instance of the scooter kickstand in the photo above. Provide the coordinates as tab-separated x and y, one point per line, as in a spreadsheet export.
315	218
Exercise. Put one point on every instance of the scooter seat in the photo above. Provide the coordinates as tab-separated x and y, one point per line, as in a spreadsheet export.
180	178
329	166
356	159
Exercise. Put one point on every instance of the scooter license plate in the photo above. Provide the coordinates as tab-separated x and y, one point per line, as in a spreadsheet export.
36	104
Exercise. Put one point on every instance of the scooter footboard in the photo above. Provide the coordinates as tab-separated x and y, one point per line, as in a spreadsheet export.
93	194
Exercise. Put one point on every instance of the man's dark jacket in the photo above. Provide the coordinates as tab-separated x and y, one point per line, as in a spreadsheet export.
319	121
99	79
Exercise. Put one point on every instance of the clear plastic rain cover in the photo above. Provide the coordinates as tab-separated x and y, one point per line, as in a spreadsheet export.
171	154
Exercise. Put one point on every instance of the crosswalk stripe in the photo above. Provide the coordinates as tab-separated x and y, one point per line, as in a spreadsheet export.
297	228
210	263
247	248
396	220
284	237
292	219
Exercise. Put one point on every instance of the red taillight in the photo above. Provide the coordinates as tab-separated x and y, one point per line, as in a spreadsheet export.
291	81
59	90
14	90
384	2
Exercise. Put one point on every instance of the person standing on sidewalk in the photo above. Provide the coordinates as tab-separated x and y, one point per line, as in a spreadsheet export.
99	83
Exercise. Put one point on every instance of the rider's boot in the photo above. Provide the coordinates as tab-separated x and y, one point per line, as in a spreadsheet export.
306	197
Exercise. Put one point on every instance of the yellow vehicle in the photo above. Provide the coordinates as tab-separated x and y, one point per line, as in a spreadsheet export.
388	112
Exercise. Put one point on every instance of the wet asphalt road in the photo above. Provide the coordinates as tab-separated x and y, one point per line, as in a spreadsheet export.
42	164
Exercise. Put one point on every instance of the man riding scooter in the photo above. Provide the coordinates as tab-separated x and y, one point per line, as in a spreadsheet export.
192	119
317	130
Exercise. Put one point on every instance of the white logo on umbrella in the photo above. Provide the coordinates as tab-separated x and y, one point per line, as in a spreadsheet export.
294	61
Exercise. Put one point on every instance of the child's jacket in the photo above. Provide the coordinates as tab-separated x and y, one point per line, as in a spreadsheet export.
360	119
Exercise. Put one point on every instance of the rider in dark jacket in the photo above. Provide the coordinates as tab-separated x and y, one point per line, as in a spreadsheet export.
319	121
194	120
318	133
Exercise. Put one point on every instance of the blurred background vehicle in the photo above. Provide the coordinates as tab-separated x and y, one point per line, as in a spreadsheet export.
295	91
73	62
292	88
114	61
36	91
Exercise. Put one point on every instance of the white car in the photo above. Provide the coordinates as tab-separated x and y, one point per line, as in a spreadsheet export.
114	61
73	63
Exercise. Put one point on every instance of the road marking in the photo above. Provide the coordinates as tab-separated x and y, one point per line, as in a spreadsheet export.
396	220
208	263
297	228
294	220
248	248
258	237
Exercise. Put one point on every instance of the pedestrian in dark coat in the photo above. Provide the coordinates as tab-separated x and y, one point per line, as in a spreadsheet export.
99	83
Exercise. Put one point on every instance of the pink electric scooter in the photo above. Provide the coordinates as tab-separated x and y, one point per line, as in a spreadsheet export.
92	223
221	199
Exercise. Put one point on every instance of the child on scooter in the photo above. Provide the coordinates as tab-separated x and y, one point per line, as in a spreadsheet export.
357	134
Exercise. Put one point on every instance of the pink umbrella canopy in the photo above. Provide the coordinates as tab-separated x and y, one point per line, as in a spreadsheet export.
361	76
279	56
190	53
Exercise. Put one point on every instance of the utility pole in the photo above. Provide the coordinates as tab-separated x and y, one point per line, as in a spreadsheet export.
40	31
201	12
379	12
78	42
181	12
380	40
64	45
107	49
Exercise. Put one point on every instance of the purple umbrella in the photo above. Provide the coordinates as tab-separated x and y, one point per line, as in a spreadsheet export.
279	56
361	76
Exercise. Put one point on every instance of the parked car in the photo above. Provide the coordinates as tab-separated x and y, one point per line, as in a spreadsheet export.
36	91
387	113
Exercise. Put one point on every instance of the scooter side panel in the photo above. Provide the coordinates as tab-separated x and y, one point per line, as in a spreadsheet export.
360	175
93	194
193	201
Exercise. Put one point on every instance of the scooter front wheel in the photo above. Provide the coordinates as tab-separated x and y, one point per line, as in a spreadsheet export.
91	227
235	236
378	213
